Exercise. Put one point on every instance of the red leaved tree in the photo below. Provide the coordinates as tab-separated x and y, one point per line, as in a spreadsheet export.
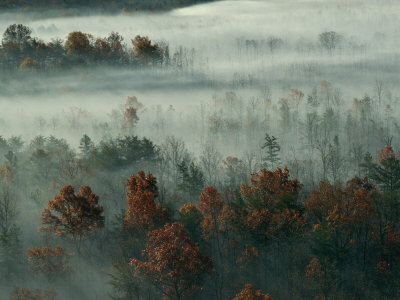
248	293
77	43
27	294
143	213
49	261
210	206
271	200
270	189
174	263
72	216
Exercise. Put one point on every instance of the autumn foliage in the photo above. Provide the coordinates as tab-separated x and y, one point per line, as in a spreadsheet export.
29	64
210	206
248	293
268	229
49	261
27	294
77	43
145	51
72	215
144	213
270	189
174	263
346	216
273	210
386	153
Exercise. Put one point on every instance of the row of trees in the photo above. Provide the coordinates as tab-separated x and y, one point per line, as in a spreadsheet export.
328	40
118	5
20	50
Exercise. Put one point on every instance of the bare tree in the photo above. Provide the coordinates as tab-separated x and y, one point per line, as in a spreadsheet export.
274	43
330	40
173	152
210	159
8	198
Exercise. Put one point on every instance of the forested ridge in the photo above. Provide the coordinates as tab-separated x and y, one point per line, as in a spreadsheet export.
105	5
339	241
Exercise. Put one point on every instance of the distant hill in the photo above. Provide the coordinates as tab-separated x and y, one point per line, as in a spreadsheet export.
107	5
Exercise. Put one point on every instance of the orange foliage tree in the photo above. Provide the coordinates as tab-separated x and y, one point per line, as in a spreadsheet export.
271	189
248	293
77	43
344	218
26	294
319	280
29	64
72	215
174	263
102	49
144	51
386	153
49	261
144	213
131	117
210	202
271	203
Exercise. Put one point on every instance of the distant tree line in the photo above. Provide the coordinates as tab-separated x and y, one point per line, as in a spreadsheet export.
117	5
21	51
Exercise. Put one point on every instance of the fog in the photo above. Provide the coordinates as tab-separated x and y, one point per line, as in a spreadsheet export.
227	93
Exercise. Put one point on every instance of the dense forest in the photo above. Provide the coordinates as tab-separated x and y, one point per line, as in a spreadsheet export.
201	153
188	238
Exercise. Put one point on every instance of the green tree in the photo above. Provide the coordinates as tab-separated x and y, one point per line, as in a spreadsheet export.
271	160
16	33
386	174
126	286
86	145
10	248
191	178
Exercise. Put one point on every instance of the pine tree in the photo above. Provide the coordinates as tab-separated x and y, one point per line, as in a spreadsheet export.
271	159
191	178
86	145
367	166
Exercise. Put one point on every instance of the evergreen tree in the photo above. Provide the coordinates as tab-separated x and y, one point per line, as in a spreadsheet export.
386	174
10	252
86	145
191	178
367	166
271	159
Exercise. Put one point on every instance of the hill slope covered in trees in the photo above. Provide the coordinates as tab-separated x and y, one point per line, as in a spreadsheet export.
126	5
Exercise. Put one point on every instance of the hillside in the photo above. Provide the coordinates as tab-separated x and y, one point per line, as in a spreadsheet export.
116	5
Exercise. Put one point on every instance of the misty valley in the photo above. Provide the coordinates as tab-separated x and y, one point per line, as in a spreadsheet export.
232	149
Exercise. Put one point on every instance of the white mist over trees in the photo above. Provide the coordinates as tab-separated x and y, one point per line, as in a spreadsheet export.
256	139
